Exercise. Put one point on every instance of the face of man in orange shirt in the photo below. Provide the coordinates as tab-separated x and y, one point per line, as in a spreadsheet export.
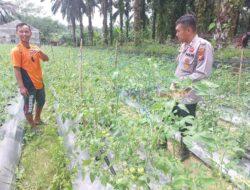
24	33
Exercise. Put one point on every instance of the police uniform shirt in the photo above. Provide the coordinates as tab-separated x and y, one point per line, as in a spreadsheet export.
194	62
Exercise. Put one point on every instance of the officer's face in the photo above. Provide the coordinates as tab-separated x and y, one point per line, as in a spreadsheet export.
183	33
24	33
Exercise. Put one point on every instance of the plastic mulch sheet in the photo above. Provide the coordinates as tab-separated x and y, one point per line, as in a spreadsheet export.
11	136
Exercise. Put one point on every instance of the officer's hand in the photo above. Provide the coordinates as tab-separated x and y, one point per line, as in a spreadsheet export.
24	91
173	86
34	51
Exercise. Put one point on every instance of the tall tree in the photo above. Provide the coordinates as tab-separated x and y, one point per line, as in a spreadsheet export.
154	17
104	11
175	9
119	5
205	14
81	29
121	14
7	10
137	22
226	21
81	10
90	6
111	38
67	11
127	10
143	14
162	8
72	10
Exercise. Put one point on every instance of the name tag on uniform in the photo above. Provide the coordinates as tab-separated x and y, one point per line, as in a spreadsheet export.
190	55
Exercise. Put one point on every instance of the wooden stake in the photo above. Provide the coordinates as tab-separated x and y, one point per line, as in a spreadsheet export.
116	54
240	70
81	68
53	55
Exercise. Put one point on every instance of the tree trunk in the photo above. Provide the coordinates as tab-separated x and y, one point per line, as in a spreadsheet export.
121	10
105	21
204	13
176	10
81	29
111	21
127	10
154	23
90	29
162	21
137	22
143	14
235	21
226	22
73	22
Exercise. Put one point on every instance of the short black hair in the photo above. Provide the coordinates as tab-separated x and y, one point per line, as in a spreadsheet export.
22	24
188	20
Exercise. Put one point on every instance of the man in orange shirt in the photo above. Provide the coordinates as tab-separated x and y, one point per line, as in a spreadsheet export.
26	61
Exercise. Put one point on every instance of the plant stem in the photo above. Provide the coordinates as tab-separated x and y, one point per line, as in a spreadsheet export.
116	85
240	70
81	67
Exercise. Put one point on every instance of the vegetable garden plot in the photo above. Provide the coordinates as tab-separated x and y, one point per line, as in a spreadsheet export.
103	113
78	157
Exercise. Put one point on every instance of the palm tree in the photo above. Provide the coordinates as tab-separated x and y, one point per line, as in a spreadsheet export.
162	8
119	5
72	10
127	10
7	10
137	22
153	5
204	13
82	10
226	21
143	14
111	21
104	11
90	6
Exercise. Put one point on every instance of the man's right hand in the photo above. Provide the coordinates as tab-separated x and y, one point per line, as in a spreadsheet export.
173	86
24	91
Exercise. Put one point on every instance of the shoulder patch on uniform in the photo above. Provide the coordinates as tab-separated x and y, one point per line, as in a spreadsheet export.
191	49
201	52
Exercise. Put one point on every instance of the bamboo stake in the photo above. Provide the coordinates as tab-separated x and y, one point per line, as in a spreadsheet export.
53	55
116	54
81	68
240	70
116	68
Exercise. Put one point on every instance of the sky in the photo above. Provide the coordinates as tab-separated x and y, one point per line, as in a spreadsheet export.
46	11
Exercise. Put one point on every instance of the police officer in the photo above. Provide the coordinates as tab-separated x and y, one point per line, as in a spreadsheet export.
195	62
